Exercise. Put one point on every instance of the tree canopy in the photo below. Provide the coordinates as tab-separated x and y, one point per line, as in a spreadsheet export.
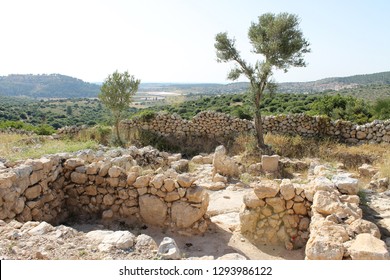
116	94
282	45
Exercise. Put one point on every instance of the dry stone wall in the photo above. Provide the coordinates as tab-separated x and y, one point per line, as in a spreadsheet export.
276	213
110	186
209	124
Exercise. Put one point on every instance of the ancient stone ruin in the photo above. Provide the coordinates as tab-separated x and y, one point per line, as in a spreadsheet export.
150	187
208	124
110	187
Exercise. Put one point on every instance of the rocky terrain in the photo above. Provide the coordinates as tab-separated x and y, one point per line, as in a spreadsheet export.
252	212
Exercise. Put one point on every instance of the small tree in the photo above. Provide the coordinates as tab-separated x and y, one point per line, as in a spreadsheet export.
116	94
280	41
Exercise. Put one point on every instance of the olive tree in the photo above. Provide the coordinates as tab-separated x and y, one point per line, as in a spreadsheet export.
280	41
116	94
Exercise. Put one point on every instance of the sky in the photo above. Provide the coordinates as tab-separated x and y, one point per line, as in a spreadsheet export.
173	40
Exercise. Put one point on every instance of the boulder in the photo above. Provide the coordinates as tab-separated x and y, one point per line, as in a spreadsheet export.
78	178
287	189
152	210
345	184
145	242
252	201
368	247
119	239
168	250
184	215
326	203
322	248
185	180
142	181
270	163
265	189
223	164
367	170
41	229
114	171
33	192
72	163
195	194
363	226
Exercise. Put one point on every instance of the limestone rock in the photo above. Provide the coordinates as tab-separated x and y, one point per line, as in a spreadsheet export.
185	180
367	170
368	247
157	181
168	250
184	215
145	242
79	178
142	181
266	189
346	184
287	189
270	163
252	201
277	203
232	256
114	171
195	194
72	163
321	248
363	226
33	192
152	210
326	203
223	164
180	165
119	239
41	229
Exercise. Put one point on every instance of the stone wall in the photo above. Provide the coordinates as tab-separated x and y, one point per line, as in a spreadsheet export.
111	186
209	124
276	213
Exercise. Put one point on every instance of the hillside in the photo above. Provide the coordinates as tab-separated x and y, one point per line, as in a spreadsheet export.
337	83
46	86
328	84
61	86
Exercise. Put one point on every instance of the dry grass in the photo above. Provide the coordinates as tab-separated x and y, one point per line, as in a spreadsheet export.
17	147
324	149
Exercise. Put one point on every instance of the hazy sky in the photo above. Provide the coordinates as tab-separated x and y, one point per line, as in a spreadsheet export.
173	41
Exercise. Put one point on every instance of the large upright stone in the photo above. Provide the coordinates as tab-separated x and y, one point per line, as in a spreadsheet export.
270	163
223	164
152	210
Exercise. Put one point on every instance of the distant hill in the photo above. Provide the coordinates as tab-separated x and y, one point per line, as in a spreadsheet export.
60	86
327	84
46	86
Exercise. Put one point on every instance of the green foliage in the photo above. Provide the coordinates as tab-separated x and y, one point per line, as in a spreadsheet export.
279	40
342	107
116	94
145	115
382	109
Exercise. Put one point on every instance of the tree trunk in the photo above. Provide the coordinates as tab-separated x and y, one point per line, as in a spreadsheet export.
117	131
259	130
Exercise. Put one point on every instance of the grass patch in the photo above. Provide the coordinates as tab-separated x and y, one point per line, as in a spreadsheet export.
19	147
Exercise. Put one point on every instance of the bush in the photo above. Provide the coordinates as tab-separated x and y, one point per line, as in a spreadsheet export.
145	115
